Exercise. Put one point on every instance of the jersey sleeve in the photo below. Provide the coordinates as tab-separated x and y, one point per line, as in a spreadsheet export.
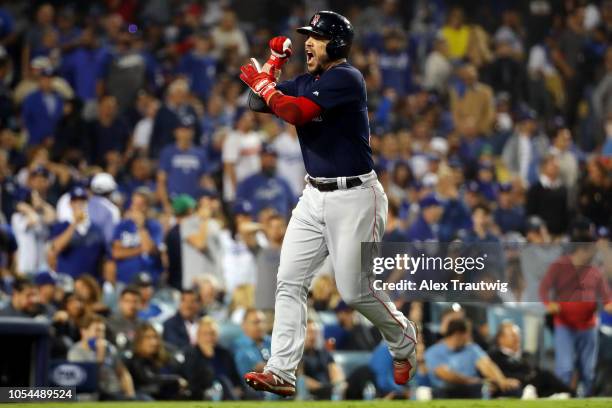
288	87
336	87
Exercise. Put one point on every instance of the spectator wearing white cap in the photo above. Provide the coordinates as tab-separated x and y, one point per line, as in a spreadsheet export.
102	211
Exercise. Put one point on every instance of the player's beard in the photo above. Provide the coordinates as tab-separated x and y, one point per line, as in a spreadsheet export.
321	62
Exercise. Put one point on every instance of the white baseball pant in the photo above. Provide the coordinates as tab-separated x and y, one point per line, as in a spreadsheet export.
333	223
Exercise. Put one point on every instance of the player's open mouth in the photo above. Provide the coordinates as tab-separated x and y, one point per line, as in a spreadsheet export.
309	56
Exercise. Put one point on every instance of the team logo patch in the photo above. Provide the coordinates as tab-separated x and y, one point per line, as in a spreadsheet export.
315	19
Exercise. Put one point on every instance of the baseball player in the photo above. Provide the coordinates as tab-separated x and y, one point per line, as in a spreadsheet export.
342	205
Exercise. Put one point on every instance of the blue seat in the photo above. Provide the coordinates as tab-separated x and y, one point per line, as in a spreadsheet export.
349	361
228	332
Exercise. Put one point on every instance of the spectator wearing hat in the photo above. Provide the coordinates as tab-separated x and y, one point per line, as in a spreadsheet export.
109	133
175	111
508	216
483	227
240	154
31	223
182	207
182	165
547	198
101	210
78	247
267	189
42	110
137	241
199	66
201	242
526	146
149	308
348	334
571	290
426	226
181	330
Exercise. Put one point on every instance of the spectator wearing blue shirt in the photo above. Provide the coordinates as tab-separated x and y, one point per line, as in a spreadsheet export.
455	365
42	110
394	63
508	216
174	111
266	189
181	166
78	247
381	365
79	66
136	241
252	348
426	226
199	66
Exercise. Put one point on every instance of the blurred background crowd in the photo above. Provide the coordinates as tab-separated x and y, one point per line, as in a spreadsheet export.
143	207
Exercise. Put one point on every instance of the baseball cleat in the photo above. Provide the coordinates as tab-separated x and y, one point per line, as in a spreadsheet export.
269	382
404	370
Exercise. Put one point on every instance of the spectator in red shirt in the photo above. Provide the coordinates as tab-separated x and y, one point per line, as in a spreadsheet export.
570	290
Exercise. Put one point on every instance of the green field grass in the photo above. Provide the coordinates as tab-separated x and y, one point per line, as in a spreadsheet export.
578	403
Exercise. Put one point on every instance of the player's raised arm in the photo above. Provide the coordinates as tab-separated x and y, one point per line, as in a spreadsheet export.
297	111
280	51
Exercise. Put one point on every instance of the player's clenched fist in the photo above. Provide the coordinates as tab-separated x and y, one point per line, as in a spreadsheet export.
280	51
261	83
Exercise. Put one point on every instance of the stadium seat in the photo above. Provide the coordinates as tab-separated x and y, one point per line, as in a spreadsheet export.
349	361
228	332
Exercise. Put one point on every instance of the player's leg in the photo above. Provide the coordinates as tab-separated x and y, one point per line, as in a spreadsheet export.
302	253
354	216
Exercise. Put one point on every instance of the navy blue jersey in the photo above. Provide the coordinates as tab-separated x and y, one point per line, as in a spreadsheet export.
336	144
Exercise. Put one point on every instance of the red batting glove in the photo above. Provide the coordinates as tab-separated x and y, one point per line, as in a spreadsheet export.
260	82
280	51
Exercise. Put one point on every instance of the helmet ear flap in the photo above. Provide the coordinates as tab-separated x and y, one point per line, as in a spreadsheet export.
337	49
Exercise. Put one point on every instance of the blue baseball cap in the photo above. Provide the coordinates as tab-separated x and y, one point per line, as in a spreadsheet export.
78	193
242	207
40	171
473	187
44	278
526	113
505	187
430	201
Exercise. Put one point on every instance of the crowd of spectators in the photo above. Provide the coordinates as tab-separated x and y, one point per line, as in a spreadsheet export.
142	205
